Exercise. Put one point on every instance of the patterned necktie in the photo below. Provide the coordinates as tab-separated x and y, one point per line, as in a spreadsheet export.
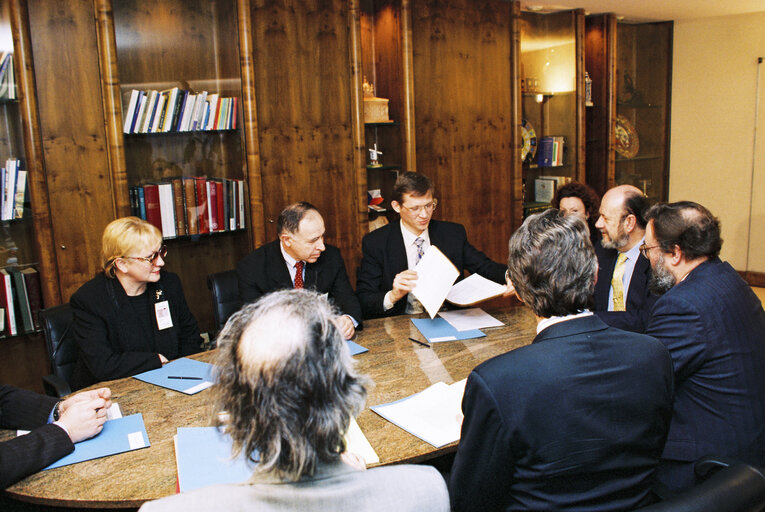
299	274
418	242
617	284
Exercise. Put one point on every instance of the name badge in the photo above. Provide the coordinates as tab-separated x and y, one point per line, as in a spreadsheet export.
162	310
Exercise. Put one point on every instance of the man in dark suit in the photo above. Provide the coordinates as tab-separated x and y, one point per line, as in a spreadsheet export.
391	252
577	419
300	259
714	327
56	425
622	298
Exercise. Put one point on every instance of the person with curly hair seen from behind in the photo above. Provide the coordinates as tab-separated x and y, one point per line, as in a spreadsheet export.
287	384
133	316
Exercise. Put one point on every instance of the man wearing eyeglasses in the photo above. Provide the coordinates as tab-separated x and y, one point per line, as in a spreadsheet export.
622	298
391	252
714	327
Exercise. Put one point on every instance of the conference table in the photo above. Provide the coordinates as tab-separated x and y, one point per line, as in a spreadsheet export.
398	367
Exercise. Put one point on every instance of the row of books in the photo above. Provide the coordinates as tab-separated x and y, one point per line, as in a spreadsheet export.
550	153
190	205
7	77
20	300
13	190
178	110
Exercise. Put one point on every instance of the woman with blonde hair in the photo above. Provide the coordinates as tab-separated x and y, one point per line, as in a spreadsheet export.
132	316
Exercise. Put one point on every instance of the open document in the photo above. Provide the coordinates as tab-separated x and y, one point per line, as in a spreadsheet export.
433	415
474	289
435	276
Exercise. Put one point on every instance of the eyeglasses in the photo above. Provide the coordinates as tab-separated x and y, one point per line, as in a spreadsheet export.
644	249
426	207
161	253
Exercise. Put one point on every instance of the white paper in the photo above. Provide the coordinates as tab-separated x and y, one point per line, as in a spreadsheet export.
434	415
467	319
356	442
135	440
435	276
113	412
474	289
197	388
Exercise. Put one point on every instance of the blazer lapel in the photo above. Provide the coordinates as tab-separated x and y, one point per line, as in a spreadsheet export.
397	250
278	275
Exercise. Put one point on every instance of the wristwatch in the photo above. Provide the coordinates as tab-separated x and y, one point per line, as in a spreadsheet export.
57	411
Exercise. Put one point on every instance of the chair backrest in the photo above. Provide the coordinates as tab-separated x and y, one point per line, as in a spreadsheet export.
224	287
736	488
62	350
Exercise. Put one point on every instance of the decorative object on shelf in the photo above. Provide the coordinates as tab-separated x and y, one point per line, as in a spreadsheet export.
627	142
587	90
374	197
528	142
374	157
7	77
551	151
375	109
630	96
544	190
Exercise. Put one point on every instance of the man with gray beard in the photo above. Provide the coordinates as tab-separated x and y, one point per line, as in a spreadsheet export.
714	327
622	298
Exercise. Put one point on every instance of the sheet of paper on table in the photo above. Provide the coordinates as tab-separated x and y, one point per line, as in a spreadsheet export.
437	330
435	276
434	415
473	289
471	318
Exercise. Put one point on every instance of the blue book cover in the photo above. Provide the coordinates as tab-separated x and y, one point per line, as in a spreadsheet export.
118	436
141	203
185	375
355	348
437	330
203	456
545	155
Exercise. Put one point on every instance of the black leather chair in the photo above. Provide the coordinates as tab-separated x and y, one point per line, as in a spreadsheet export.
729	487
62	351
224	287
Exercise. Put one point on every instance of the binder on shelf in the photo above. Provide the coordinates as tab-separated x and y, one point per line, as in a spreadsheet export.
7	299
34	294
20	296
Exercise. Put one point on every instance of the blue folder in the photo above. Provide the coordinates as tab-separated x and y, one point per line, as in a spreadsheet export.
203	456
114	438
437	330
355	348
200	372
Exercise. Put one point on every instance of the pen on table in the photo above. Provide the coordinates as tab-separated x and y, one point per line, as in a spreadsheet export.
420	342
184	378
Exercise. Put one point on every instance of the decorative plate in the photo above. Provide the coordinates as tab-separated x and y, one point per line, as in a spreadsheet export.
627	142
528	141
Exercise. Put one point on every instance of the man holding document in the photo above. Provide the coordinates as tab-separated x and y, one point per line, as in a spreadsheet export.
390	253
577	419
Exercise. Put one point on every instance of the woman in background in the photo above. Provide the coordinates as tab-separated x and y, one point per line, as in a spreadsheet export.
133	316
579	199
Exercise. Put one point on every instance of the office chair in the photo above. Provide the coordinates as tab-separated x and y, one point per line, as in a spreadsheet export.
732	487
62	351
224	287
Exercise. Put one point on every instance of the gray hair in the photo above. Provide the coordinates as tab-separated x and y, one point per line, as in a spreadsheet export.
552	264
289	218
287	383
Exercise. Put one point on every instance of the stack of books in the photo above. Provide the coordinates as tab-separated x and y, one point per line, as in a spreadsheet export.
13	190
7	77
20	300
550	151
190	205
177	110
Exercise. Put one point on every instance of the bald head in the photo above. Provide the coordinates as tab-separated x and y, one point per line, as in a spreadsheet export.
270	338
621	220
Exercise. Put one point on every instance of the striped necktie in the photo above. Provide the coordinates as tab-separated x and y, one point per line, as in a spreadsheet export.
418	242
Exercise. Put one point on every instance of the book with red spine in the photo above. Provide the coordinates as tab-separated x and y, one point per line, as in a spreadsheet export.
202	215
151	199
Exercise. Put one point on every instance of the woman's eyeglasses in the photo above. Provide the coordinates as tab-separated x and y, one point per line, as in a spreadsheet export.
161	253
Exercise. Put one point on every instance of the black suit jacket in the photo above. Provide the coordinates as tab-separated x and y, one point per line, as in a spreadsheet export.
111	340
45	444
639	299
574	421
384	256
264	270
714	327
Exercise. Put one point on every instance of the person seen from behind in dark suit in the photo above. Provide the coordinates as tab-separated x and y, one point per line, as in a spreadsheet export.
289	389
133	316
579	199
577	419
390	253
54	425
714	326
300	259
622	297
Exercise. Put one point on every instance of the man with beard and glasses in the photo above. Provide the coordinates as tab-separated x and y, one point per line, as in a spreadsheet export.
622	298
714	327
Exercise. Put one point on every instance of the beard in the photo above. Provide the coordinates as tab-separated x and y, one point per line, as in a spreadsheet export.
661	279
622	238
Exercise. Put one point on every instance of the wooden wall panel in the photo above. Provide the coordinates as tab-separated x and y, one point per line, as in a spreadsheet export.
73	137
302	83
463	114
